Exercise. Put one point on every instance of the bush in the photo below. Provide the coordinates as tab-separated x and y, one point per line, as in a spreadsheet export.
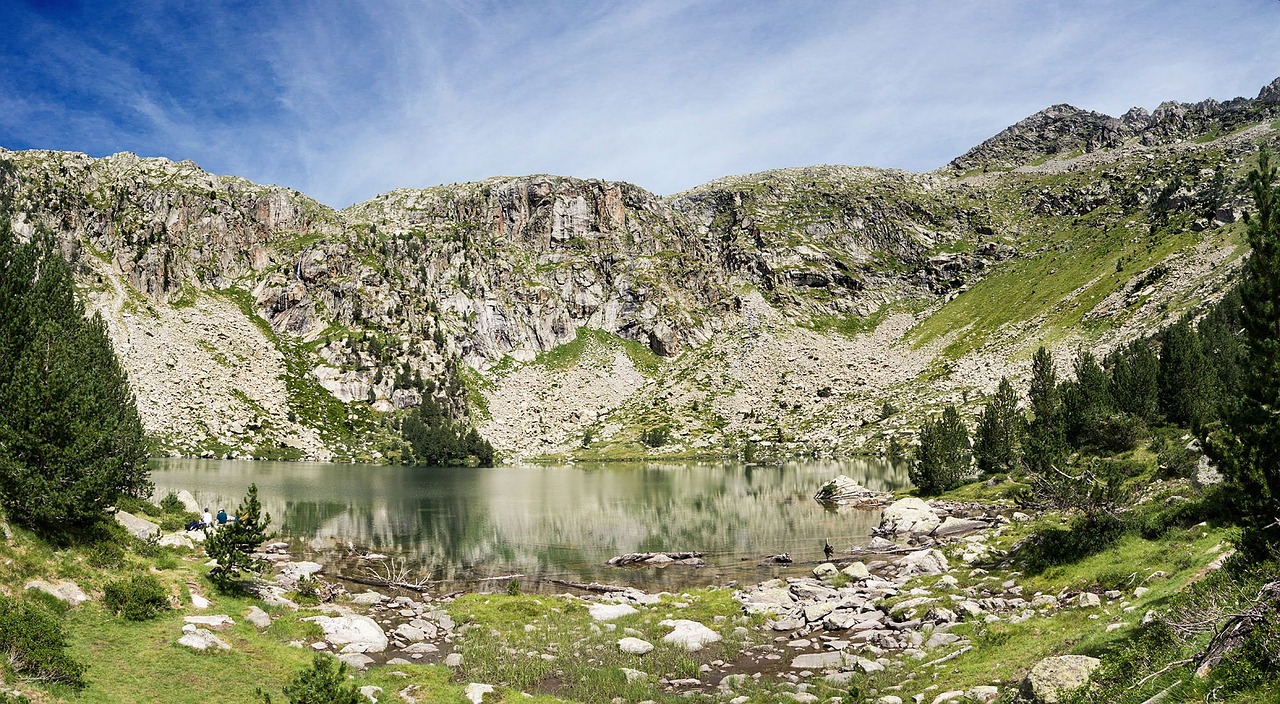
137	598
655	437
1061	546
34	645
324	682
104	555
171	504
307	591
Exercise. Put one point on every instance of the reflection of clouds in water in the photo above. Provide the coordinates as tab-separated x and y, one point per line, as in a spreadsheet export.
563	520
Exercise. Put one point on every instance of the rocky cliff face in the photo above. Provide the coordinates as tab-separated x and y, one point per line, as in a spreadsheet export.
775	312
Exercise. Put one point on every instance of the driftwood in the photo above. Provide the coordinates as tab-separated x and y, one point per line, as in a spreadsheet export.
595	587
1237	630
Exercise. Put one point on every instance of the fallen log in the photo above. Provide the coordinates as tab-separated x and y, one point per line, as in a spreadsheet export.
595	587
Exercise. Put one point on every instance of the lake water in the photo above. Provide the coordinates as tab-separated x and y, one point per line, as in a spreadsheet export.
461	525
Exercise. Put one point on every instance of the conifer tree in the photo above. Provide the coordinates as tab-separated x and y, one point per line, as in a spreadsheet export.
232	545
1134	373
1182	375
71	441
999	427
1252	454
943	458
1044	444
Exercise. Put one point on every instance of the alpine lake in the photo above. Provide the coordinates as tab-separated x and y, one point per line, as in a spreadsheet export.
464	528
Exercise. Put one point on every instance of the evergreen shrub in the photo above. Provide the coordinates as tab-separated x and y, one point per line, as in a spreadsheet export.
139	597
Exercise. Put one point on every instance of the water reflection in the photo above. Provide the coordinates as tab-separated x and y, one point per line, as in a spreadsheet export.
564	522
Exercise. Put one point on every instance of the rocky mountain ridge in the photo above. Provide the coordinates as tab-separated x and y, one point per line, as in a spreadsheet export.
780	312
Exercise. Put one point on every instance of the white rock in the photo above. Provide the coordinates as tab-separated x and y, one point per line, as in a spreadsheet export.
176	540
359	661
354	630
825	570
70	592
608	612
909	515
856	570
927	562
368	598
1088	600
1138	592
188	501
690	635
220	622
475	692
371	692
257	617
198	601
138	527
200	639
634	646
633	675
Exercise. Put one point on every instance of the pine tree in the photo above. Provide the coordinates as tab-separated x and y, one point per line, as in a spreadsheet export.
1044	443
1087	405
1134	373
234	543
71	441
999	428
943	459
1182	375
1251	460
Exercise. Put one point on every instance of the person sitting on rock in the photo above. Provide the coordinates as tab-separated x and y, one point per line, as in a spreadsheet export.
222	516
206	518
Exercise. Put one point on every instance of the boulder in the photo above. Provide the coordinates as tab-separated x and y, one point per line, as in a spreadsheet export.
845	491
176	540
818	661
368	598
909	515
1088	600
138	527
1052	678
768	601
1207	473
360	631
188	502
928	562
219	622
609	612
201	639
358	661
257	617
958	526
475	692
825	570
70	592
856	570
371	692
410	633
690	635
634	646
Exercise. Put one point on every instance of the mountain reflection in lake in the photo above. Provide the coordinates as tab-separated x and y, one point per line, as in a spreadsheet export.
565	522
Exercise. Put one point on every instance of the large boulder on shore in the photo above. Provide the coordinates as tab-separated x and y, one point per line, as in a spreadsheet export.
909	515
138	527
927	562
1051	679
359	634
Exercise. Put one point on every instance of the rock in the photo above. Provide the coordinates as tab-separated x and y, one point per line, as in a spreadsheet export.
359	661
1088	600
889	699
818	610
201	639
1206	473
69	592
1020	517
845	491
176	540
909	515
368	598
690	635
371	692
634	646
138	527
453	660
410	633
257	617
219	622
825	570
609	612
360	631
475	692
1054	677
950	696
1139	592
300	569
927	562
958	526
421	648
983	694
633	675
188	502
198	601
768	601
818	661
787	624
856	570
842	619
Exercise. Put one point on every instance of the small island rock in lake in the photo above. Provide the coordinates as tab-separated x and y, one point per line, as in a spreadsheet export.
843	491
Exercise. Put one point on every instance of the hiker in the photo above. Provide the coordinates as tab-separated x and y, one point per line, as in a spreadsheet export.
206	518
222	516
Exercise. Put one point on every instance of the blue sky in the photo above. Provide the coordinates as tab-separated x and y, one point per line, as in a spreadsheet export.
345	100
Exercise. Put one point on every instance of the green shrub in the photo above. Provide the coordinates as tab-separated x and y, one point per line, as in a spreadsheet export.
104	555
307	591
138	507
136	598
171	504
655	437
34	646
1081	538
324	682
174	522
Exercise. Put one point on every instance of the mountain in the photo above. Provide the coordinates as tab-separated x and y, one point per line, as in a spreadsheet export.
789	311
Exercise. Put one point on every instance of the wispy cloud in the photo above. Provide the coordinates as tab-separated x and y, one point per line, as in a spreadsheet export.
343	101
